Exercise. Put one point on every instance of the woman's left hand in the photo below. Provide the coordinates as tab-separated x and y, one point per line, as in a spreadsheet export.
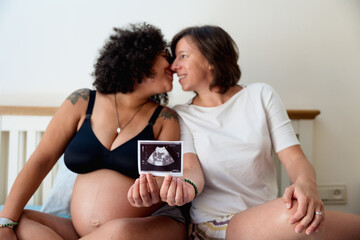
175	191
310	214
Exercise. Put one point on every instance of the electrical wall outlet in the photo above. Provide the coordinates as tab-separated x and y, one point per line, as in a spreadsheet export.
333	194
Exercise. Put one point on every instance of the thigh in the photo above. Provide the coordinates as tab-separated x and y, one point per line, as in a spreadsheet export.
266	221
34	224
153	227
339	225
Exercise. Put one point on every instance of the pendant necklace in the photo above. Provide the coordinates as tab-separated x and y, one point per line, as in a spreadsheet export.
118	130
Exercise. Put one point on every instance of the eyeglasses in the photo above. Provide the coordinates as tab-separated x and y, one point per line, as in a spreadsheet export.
167	55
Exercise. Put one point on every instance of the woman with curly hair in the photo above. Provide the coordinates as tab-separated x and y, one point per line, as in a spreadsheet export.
97	130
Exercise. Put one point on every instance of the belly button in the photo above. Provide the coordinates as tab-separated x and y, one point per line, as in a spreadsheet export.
95	222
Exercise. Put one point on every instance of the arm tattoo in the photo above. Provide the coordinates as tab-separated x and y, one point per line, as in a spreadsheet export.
168	113
81	93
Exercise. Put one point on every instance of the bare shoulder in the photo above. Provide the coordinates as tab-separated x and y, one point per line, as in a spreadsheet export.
74	106
169	125
66	121
168	114
83	93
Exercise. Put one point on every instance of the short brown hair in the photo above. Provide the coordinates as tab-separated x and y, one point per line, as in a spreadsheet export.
219	49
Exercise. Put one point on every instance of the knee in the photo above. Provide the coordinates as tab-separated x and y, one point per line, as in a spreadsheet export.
29	215
27	219
279	213
25	215
284	212
24	218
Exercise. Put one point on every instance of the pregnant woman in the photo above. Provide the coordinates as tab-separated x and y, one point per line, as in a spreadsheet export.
98	132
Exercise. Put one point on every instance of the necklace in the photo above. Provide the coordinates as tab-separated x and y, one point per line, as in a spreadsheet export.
118	130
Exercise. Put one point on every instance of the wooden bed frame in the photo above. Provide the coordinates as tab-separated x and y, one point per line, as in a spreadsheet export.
21	129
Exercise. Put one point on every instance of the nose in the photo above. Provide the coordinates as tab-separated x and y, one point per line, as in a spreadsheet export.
174	66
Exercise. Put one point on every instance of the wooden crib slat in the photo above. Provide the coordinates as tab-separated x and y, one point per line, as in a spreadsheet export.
13	162
22	134
30	143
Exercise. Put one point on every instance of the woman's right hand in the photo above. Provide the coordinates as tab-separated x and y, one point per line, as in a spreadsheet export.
144	192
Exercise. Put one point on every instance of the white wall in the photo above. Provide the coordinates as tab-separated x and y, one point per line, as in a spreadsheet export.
308	50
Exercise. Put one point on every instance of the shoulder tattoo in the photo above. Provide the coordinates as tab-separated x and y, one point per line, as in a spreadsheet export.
81	93
168	113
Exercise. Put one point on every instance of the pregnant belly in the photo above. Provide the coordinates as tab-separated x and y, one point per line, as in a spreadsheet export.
101	196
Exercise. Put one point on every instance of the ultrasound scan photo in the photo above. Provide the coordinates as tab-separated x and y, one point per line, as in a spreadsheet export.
160	157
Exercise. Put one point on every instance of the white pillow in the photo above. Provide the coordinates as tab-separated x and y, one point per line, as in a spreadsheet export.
58	202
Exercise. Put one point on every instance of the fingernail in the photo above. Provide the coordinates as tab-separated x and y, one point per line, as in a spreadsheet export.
288	205
308	232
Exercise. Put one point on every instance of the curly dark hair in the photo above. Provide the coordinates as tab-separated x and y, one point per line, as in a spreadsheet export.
219	49
127	57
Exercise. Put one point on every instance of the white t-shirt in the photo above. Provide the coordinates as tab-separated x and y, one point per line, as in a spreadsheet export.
234	143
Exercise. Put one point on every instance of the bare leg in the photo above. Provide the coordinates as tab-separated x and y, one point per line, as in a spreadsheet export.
270	221
266	221
38	225
8	234
153	227
339	225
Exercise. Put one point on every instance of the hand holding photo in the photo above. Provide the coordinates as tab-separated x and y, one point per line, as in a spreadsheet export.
160	158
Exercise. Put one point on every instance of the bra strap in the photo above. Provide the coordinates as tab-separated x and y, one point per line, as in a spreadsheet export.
155	114
91	103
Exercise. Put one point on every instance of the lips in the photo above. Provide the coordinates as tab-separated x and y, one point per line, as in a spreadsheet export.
181	76
170	73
